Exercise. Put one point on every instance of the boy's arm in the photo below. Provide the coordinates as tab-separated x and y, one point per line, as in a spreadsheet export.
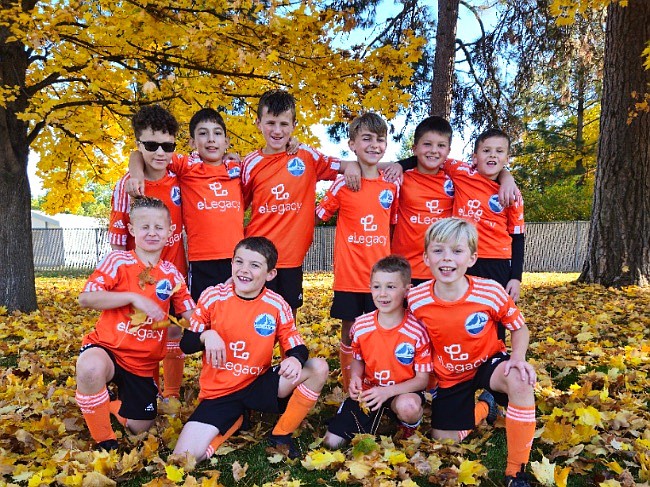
509	193
520	338
135	184
357	369
394	171
112	299
513	287
376	396
352	173
291	366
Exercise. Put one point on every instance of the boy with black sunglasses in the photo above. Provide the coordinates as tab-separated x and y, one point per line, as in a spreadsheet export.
155	133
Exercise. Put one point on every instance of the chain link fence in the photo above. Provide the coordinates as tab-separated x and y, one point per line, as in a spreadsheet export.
550	247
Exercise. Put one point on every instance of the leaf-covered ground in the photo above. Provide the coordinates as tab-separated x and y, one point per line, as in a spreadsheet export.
590	345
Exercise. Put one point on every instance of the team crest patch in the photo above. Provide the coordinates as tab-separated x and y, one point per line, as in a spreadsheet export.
264	324
448	187
386	198
234	172
494	204
405	353
296	167
175	195
475	323
164	289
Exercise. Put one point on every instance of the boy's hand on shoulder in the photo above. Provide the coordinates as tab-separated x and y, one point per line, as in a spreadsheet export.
293	145
215	348
290	369
526	371
148	307
509	193
134	187
352	175
393	172
375	397
513	288
232	157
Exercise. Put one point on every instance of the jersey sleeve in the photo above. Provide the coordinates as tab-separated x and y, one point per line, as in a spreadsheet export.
330	203
200	319
451	167
119	217
179	164
423	361
509	315
105	277
287	335
181	299
327	167
516	223
356	347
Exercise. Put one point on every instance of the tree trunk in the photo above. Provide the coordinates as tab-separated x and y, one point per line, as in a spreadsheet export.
619	234
17	291
443	64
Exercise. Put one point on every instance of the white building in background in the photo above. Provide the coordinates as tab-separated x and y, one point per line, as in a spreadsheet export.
67	241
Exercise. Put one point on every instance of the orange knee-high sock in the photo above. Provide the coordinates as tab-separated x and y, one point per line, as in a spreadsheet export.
301	402
173	364
96	411
520	429
114	407
345	356
481	411
220	439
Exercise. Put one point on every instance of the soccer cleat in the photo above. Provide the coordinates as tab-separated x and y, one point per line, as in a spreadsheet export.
107	445
279	441
519	480
493	407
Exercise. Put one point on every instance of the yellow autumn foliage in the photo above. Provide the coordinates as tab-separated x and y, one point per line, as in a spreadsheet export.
99	60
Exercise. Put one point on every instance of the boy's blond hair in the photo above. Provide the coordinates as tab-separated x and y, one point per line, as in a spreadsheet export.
370	121
452	230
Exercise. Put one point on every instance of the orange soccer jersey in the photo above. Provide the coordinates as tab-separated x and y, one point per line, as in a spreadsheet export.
213	211
138	350
477	201
423	200
165	189
463	333
281	189
249	328
362	229
390	356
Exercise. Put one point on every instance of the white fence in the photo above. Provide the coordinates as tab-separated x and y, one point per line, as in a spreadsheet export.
550	247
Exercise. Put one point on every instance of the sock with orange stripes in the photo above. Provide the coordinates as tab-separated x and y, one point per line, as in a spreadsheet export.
346	357
114	407
173	364
520	429
96	412
220	439
301	402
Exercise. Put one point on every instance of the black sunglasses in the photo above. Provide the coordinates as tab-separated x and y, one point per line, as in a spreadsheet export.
151	146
